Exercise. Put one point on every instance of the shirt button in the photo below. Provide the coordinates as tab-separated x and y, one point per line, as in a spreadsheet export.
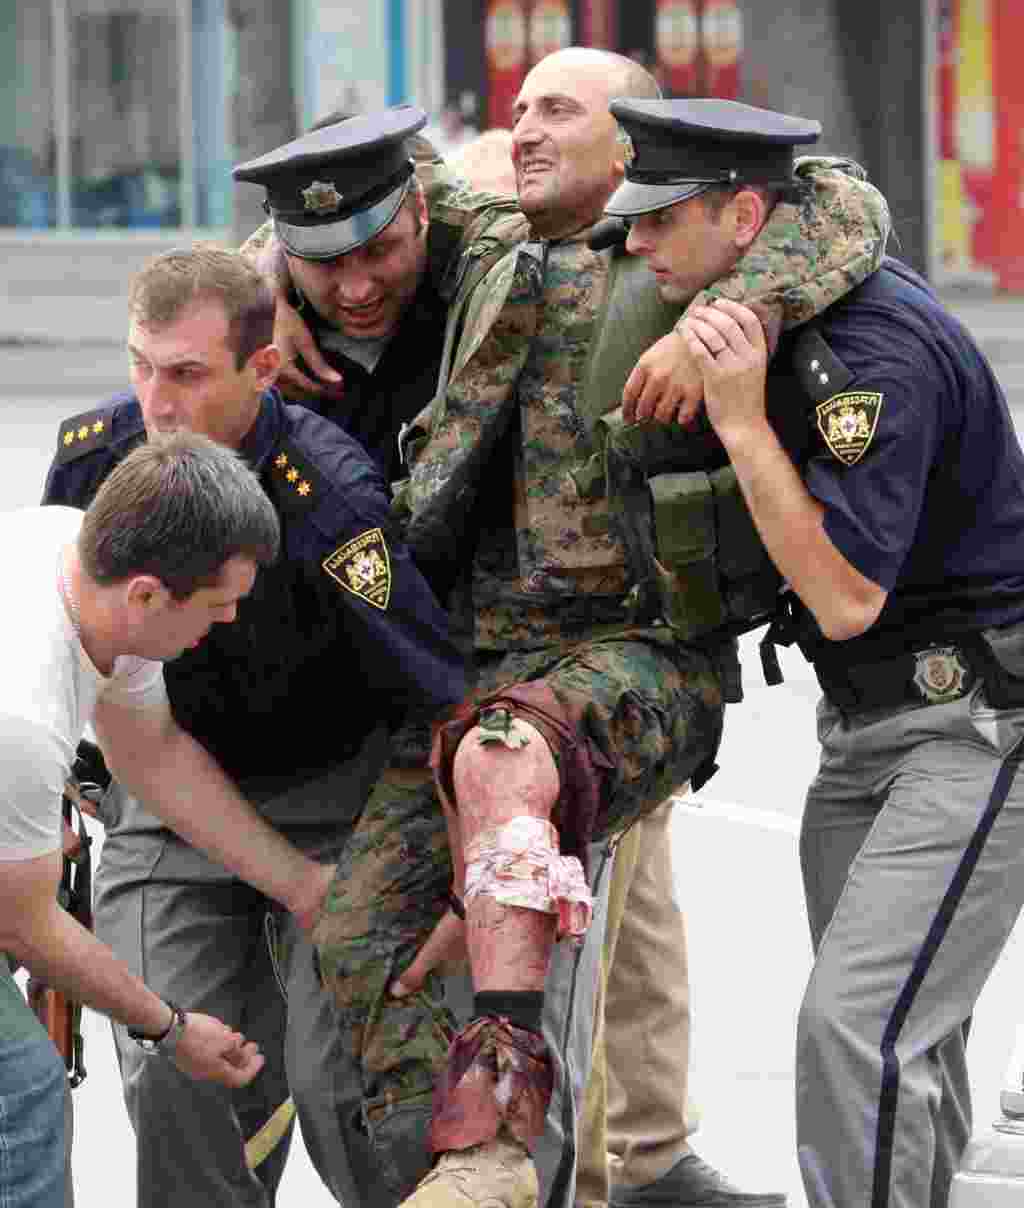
815	366
823	378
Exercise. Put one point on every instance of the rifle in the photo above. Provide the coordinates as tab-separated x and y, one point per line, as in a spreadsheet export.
57	1011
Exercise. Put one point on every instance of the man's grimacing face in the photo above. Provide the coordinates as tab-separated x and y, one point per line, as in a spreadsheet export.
365	292
567	158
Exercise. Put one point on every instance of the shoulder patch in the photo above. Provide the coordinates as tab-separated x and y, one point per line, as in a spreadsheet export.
363	567
821	373
84	433
294	482
848	422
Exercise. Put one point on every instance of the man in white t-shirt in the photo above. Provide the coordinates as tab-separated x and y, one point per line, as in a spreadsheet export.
93	606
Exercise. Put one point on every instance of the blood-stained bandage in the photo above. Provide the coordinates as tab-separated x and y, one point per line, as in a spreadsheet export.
519	864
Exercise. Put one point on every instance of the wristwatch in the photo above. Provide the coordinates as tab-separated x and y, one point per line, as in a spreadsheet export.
166	1043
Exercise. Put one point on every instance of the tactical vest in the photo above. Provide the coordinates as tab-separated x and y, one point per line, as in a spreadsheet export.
600	507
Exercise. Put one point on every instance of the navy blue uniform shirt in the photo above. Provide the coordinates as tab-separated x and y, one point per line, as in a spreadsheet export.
341	633
917	462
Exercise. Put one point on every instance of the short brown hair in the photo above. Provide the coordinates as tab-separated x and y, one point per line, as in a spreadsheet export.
178	508
173	281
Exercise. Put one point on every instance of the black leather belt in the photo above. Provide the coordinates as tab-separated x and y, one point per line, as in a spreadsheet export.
930	675
933	674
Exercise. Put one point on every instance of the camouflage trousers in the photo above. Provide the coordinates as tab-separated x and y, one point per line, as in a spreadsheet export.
653	708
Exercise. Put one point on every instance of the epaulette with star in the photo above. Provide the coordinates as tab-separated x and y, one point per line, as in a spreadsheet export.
293	481
84	434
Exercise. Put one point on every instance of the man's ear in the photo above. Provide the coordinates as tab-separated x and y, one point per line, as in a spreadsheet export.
749	212
146	593
265	365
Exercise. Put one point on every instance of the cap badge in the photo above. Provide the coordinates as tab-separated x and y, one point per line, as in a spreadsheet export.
322	198
939	674
848	422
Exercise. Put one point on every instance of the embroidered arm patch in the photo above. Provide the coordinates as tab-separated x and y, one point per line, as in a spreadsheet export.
363	567
848	422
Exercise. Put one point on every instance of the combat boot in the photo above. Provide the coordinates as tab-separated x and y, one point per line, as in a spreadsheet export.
495	1174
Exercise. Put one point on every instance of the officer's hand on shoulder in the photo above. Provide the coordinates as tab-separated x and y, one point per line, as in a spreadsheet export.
727	342
666	386
294	340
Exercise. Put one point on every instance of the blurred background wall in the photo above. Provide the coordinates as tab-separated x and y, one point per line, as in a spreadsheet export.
122	118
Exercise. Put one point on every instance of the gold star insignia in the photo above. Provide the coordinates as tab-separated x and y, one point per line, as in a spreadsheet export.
98	427
292	474
83	432
303	488
69	437
281	460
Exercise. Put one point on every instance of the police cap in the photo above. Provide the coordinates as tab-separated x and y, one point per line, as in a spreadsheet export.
683	147
332	190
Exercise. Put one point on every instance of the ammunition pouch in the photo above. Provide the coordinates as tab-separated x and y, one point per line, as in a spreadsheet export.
697	559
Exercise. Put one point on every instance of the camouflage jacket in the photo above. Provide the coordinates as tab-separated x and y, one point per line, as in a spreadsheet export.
521	400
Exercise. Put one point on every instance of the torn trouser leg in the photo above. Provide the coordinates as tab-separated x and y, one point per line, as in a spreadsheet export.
399	1046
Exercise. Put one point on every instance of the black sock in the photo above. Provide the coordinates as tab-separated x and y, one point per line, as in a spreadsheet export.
521	1007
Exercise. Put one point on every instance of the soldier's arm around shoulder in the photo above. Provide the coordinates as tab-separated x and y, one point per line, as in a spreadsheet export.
816	246
814	249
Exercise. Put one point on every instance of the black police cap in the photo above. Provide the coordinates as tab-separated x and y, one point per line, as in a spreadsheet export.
682	147
333	189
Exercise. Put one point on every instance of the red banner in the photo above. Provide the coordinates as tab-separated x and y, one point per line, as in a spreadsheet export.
1008	186
676	42
721	28
505	39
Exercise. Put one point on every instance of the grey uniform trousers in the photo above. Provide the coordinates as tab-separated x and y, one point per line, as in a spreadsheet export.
912	848
197	936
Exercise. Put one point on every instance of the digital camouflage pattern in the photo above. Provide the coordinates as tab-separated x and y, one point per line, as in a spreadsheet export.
559	570
513	412
653	706
813	252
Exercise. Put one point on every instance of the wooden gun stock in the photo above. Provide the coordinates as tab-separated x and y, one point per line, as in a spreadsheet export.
55	1012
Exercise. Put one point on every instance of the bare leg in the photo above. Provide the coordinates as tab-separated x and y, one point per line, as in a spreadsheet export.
509	946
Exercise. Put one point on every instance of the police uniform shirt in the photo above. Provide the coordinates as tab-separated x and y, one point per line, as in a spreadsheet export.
914	455
339	634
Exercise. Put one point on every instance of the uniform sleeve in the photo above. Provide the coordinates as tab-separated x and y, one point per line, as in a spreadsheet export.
394	619
35	766
875	444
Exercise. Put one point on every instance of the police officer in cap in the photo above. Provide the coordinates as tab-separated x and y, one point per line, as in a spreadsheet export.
894	509
356	253
343	609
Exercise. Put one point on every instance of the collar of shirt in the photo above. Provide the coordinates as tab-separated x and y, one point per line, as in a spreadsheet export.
265	435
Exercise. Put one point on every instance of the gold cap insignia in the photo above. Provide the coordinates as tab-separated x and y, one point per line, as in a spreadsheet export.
939	674
848	423
363	567
322	198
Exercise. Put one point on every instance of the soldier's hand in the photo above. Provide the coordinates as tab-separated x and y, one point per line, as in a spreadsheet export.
445	947
294	339
665	386
210	1051
728	343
